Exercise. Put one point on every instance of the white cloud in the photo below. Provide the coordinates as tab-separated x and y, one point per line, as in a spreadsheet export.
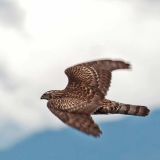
11	14
62	33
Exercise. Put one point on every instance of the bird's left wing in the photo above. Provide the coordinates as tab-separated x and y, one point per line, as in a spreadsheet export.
82	122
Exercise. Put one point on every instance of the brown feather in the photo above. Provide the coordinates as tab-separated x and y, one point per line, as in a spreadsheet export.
84	95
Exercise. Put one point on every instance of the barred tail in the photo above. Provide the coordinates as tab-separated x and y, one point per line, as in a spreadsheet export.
120	108
133	110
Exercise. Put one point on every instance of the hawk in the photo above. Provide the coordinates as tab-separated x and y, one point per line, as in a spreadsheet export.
84	96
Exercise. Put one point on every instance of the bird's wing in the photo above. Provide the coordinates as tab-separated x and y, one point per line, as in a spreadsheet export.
94	73
106	64
81	122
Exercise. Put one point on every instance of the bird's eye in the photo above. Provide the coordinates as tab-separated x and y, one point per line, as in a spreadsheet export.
50	96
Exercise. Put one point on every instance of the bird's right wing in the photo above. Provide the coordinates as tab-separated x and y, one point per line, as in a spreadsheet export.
94	73
81	74
107	64
81	122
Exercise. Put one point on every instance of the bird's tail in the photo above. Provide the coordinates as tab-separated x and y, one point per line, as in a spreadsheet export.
120	108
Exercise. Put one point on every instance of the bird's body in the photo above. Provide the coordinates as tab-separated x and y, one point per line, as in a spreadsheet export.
85	96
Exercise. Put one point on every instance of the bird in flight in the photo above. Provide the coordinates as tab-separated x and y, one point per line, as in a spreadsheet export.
84	96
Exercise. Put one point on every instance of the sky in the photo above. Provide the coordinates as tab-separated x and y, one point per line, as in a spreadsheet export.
129	138
39	39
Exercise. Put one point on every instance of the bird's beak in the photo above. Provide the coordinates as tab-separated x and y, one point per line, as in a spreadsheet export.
43	96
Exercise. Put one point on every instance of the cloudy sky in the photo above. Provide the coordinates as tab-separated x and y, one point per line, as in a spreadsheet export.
39	39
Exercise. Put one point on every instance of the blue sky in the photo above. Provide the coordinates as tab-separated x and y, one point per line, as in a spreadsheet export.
39	39
131	138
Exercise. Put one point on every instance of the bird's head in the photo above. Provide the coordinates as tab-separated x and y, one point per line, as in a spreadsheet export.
47	95
51	94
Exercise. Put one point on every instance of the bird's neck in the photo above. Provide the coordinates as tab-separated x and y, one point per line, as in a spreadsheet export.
58	93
